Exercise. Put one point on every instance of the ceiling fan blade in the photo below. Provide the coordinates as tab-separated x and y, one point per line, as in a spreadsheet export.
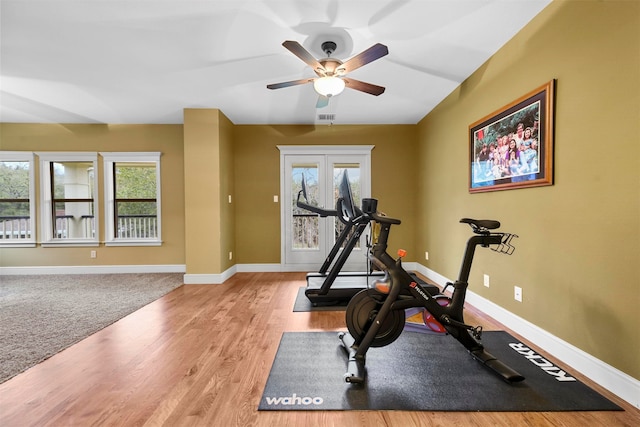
299	51
376	51
363	86
289	83
323	101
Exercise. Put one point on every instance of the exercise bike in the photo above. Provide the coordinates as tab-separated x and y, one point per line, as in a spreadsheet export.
375	317
330	285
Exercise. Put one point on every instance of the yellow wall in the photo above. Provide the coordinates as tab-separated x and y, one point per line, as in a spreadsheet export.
257	179
227	188
208	156
578	253
166	139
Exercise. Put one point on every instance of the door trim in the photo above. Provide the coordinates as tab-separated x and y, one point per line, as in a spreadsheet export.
324	150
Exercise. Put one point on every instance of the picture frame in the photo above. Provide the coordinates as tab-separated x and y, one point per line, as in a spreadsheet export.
513	147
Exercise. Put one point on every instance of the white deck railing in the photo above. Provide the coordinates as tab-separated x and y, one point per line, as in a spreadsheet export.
67	226
137	227
15	227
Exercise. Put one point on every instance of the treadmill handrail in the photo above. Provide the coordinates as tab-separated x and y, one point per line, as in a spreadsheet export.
315	209
384	219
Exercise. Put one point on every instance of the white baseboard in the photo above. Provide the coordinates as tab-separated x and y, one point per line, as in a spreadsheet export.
92	269
209	279
614	380
272	268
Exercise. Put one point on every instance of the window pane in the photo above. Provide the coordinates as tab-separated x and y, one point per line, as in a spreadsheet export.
14	180
136	208
14	209
137	220
14	200
14	220
135	180
73	180
74	220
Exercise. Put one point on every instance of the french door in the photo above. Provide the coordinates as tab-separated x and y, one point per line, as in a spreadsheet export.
307	238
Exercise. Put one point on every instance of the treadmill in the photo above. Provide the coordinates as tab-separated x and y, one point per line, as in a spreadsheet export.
330	285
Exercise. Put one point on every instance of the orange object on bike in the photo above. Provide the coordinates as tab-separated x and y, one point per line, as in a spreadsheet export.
383	287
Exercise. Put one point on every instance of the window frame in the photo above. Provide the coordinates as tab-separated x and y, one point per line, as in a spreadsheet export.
23	156
48	238
109	161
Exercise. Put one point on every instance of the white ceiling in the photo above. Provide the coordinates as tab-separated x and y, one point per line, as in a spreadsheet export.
144	61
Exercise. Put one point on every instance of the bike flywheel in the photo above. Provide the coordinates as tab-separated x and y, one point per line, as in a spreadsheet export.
361	312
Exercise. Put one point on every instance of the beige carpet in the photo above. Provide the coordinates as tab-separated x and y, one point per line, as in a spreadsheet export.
42	315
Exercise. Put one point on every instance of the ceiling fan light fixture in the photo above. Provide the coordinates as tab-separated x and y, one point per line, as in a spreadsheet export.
329	86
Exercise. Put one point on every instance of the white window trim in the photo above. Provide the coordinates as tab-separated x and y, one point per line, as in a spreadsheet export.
109	206
46	198
24	156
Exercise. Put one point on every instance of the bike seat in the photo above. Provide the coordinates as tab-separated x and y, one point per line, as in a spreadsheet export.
488	224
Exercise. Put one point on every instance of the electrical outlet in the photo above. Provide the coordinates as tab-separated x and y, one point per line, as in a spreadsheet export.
517	293
486	280
94	254
230	256
426	256
229	198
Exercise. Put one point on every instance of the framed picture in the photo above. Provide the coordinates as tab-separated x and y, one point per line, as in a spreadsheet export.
513	147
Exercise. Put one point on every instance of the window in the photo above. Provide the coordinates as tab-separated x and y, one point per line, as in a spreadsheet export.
69	199
132	195
17	206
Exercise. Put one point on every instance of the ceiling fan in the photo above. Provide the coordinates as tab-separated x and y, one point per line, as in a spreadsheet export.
331	72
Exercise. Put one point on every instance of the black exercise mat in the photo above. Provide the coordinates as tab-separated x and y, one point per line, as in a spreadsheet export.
420	372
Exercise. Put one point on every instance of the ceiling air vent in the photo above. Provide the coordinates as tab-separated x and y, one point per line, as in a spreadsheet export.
329	117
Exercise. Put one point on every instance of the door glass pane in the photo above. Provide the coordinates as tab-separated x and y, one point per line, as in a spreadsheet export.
305	224
353	171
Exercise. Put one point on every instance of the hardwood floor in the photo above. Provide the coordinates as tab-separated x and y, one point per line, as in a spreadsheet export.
200	356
